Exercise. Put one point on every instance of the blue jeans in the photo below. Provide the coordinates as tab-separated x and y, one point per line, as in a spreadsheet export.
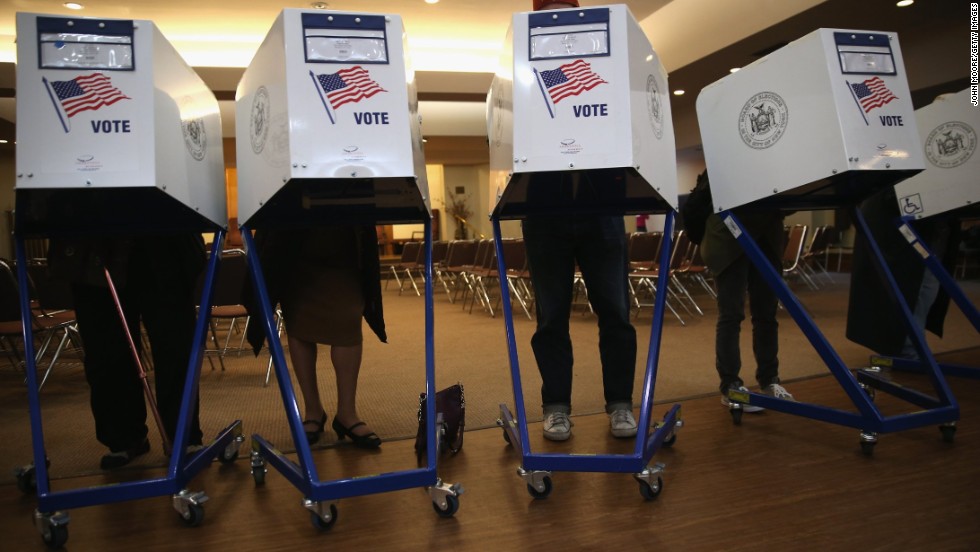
738	278
598	244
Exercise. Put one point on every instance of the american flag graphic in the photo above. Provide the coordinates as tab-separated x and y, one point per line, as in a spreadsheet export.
89	92
348	85
570	80
872	93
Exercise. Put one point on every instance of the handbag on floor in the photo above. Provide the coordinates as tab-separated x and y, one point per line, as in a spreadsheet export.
451	404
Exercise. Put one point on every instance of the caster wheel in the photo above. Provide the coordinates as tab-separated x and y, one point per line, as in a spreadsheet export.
228	458
736	416
26	481
452	506
258	474
324	525
650	492
56	536
507	437
194	515
867	449
669	441
540	494
948	432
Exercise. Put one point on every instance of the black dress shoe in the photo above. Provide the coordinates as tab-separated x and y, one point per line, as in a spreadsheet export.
314	436
367	441
119	459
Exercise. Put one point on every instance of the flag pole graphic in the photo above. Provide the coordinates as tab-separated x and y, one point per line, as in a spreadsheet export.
64	123
537	77
861	109
319	91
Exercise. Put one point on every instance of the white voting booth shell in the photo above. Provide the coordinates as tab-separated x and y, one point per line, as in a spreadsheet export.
577	90
828	106
948	129
110	104
329	97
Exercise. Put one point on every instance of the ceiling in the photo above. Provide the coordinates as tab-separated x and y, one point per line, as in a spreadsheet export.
454	44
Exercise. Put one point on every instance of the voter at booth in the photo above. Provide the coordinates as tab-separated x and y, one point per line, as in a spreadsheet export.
736	276
326	279
598	245
155	277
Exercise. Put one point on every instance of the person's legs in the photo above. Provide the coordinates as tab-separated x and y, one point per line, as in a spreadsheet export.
601	255
116	395
731	284
168	313
302	356
763	305
550	258
347	365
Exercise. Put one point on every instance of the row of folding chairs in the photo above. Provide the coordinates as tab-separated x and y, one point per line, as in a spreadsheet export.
685	268
808	261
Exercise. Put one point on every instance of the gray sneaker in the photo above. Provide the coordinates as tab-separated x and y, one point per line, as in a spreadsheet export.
557	426
622	423
745	407
777	392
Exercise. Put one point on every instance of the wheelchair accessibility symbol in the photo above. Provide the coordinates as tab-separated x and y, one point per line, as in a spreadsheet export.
911	204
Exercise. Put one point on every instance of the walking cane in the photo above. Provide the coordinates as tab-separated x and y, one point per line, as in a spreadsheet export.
139	365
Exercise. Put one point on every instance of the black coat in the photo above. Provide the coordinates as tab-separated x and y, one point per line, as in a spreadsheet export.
276	249
872	319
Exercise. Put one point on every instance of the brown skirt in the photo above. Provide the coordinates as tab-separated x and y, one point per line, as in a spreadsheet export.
324	305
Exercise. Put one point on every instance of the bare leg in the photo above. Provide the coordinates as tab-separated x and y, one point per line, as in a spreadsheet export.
303	356
347	365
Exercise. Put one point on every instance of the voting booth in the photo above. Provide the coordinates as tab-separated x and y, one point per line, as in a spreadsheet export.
826	119
580	97
118	136
948	187
117	133
327	122
823	122
328	132
580	90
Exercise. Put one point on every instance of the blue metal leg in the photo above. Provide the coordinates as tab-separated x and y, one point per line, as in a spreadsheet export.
869	418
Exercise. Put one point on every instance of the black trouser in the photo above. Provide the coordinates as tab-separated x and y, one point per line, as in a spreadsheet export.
167	310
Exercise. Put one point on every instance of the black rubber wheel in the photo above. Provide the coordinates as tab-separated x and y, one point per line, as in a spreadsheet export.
194	515
26	481
650	492
736	416
226	458
867	448
540	494
324	525
507	437
258	474
452	506
669	441
56	536
948	432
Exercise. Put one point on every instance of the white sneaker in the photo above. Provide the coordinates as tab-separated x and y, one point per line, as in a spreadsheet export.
557	426
622	423
778	392
745	407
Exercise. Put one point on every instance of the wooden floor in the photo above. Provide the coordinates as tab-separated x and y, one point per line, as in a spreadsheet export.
775	482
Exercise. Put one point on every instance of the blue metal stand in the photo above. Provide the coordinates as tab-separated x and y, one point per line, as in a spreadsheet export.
536	469
51	518
941	409
320	496
955	293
